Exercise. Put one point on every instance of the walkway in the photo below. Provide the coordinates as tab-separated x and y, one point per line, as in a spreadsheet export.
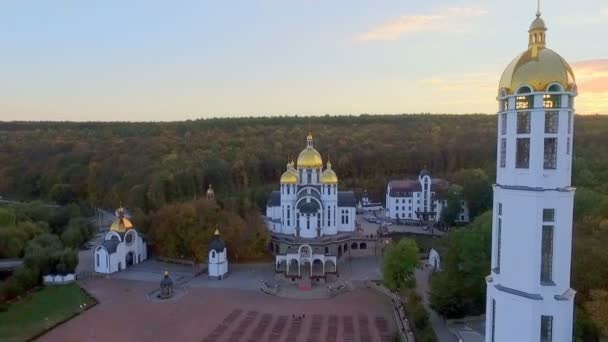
437	322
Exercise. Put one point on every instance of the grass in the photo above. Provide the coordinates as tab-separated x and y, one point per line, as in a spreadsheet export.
41	310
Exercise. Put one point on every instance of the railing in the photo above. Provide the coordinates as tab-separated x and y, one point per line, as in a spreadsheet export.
405	332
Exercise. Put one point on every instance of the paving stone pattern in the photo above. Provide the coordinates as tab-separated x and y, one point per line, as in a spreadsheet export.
255	327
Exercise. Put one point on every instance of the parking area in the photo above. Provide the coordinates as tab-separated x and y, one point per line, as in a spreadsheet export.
371	228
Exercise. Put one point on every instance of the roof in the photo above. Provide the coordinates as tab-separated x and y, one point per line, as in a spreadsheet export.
217	244
404	185
110	245
398	188
346	199
275	199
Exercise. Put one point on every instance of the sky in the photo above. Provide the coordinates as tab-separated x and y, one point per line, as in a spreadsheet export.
152	60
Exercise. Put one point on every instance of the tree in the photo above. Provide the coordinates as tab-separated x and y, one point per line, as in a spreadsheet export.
459	289
476	190
40	252
597	308
62	194
450	213
399	262
7	217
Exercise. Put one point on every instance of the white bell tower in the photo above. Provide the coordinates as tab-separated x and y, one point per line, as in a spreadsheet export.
528	291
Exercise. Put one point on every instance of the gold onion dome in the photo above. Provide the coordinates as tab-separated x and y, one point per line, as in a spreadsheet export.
537	67
329	176
289	177
309	157
121	224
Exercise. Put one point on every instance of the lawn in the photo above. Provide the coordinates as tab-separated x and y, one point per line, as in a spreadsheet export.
41	310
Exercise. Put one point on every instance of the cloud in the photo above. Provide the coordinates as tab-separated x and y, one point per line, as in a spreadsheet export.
592	82
411	24
471	82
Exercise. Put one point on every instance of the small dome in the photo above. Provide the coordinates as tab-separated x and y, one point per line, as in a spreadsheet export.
310	157
329	176
121	224
289	177
538	72
217	244
538	24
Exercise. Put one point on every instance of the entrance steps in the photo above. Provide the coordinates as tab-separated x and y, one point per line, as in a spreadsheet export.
305	284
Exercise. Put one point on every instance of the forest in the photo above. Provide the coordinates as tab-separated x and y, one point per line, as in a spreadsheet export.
161	169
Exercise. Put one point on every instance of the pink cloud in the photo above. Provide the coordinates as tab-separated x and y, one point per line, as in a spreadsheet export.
592	81
410	24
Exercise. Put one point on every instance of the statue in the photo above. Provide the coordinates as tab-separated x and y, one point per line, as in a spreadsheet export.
166	286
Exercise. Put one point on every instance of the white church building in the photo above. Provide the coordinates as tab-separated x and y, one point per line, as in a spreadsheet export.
529	298
421	199
122	247
308	204
310	220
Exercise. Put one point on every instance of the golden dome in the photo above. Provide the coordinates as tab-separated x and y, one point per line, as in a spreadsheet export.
329	176
309	157
537	67
121	225
289	177
538	72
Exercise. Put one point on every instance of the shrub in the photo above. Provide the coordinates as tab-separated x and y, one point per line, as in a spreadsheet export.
27	277
427	335
10	289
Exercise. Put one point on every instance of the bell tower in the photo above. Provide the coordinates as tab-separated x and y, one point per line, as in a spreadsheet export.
529	298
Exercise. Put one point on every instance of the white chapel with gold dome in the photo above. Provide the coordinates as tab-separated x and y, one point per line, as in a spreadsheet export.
529	297
122	247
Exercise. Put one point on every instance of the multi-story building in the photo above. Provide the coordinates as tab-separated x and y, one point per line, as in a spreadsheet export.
420	199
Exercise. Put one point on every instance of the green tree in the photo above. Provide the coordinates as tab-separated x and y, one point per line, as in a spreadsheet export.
399	262
476	190
459	289
40	252
450	213
62	194
7	217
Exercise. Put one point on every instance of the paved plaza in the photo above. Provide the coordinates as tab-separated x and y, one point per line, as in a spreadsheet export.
214	314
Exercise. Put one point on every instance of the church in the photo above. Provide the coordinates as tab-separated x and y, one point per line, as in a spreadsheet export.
122	247
529	297
310	220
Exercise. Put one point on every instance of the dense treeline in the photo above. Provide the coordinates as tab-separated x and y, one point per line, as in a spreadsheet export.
147	165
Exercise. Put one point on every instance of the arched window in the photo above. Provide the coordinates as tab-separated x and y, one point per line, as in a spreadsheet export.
354	245
524	90
212	254
555	88
363	245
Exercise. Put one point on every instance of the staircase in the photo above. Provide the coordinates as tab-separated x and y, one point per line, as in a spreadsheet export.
305	284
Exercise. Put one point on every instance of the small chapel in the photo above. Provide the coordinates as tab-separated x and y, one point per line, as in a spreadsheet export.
123	246
218	260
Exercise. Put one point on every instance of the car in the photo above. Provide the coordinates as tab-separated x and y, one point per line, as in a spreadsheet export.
371	219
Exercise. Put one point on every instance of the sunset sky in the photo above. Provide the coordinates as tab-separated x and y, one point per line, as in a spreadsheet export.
154	60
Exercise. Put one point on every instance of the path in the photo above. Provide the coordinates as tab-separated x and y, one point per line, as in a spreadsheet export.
438	323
